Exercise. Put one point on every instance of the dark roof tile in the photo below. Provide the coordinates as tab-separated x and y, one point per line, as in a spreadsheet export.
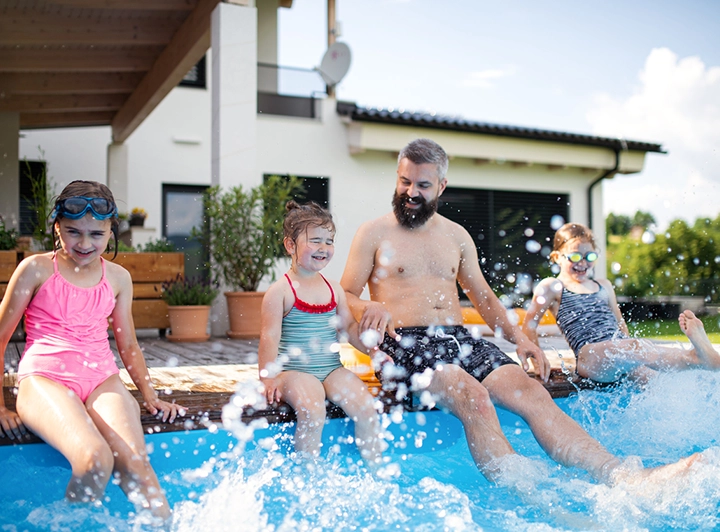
456	123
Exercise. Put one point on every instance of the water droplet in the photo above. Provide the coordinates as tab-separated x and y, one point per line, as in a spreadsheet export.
556	222
648	237
616	267
533	246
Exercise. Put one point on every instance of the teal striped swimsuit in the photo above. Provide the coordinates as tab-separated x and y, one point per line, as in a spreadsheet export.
309	341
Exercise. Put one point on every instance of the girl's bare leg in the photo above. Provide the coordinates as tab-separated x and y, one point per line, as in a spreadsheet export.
346	390
608	361
55	414
116	414
306	395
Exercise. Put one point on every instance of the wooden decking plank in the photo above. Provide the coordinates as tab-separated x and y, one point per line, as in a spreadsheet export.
12	355
166	354
203	389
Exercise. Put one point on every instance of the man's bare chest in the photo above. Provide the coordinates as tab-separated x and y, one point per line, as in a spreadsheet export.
417	259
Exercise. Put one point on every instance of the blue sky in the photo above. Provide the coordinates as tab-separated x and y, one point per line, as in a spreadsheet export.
643	70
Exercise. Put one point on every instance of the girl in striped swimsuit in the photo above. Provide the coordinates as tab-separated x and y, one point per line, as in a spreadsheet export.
588	315
299	351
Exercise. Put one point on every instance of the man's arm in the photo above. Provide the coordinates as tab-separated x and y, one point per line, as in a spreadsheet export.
358	269
492	310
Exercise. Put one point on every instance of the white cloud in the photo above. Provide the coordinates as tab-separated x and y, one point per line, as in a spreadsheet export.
485	78
677	103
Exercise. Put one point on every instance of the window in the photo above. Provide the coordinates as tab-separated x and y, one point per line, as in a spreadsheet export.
33	189
182	210
512	231
196	77
315	189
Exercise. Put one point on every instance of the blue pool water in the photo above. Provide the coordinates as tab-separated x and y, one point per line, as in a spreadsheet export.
214	482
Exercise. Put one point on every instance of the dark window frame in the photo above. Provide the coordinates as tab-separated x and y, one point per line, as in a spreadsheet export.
498	222
199	79
168	188
28	215
316	188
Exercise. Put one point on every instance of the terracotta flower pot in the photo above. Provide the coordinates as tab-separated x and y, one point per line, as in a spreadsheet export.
189	323
244	314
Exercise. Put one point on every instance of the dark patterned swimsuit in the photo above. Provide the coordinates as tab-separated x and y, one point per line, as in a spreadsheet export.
587	318
425	347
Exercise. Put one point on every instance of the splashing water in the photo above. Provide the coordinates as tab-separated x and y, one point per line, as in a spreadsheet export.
249	479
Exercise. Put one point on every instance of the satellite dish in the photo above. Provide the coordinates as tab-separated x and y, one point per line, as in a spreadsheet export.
335	63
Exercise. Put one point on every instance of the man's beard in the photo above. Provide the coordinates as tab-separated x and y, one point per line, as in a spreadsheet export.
412	218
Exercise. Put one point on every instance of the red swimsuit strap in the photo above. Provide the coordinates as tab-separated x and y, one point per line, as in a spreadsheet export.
309	307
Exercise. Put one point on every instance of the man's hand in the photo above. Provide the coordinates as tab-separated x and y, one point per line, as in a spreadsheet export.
376	318
526	349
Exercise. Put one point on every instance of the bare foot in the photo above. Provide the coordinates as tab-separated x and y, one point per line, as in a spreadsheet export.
655	476
695	331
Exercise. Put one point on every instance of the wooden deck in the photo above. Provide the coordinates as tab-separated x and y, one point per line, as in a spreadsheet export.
203	377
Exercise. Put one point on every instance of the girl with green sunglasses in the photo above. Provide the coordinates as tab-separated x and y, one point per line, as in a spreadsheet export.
589	317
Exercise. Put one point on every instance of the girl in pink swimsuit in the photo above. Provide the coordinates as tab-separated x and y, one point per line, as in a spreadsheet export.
69	391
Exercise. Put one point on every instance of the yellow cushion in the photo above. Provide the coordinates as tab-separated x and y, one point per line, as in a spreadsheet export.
472	316
357	362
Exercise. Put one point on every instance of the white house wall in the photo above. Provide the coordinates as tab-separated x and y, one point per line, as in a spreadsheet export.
173	147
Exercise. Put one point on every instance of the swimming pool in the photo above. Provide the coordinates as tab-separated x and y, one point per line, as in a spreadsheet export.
429	484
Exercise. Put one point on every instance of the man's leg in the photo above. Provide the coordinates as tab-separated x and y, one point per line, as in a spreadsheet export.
470	402
556	432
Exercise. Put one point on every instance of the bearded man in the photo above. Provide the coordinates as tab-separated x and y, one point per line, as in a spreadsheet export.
411	260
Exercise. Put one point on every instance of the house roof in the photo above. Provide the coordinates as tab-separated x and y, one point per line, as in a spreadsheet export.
96	62
454	123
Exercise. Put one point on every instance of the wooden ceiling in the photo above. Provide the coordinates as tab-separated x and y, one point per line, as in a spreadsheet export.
70	63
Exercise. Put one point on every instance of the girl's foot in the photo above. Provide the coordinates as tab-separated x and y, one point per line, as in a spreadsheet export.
693	328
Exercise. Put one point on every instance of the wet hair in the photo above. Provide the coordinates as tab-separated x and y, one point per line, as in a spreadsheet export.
300	217
569	232
423	151
88	189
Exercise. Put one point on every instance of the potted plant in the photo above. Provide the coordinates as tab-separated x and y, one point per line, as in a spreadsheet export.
244	236
188	301
137	217
8	255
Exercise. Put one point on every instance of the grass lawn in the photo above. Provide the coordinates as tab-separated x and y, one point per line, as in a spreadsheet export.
670	329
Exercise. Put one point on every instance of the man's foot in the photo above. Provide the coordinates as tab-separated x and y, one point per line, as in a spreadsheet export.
693	328
654	476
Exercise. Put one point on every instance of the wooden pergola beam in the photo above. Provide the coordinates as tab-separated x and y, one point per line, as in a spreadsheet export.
34	103
50	120
185	49
25	27
83	59
69	83
149	5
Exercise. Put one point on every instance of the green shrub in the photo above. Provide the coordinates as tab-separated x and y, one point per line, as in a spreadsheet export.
183	291
8	237
161	245
244	230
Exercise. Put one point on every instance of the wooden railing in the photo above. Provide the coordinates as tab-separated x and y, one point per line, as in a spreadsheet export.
148	271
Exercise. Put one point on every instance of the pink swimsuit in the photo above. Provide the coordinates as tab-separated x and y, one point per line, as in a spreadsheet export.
67	334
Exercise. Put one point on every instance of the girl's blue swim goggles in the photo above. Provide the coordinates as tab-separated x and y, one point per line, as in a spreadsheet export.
76	207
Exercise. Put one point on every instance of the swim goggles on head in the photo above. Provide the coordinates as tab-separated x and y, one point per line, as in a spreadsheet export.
76	207
590	256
